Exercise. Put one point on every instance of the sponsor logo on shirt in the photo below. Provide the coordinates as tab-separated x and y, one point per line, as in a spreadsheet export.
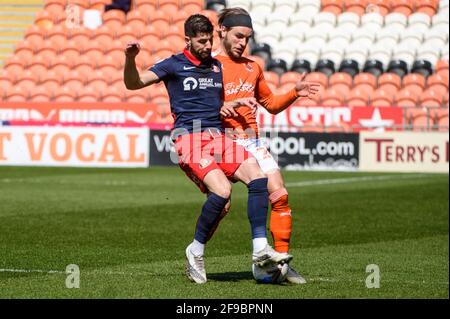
191	84
234	88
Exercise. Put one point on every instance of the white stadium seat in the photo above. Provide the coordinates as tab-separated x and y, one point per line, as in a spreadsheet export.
362	33
419	21
289	57
355	52
439	31
444	53
309	7
325	18
294	34
315	33
278	20
341	32
381	54
285	6
443	7
428	53
372	21
246	4
309	52
389	36
348	19
411	33
396	20
334	51
405	52
298	18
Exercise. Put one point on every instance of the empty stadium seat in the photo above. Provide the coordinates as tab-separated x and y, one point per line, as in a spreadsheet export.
381	97
404	7
341	82
414	82
332	97
406	98
365	82
430	98
332	6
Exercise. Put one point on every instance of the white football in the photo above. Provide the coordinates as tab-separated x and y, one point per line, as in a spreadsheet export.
271	274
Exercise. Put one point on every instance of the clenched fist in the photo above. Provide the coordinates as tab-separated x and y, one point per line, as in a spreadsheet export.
132	49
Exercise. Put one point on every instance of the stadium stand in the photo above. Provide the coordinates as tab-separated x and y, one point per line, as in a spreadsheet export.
363	52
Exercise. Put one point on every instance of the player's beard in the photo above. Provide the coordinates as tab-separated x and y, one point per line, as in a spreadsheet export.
234	54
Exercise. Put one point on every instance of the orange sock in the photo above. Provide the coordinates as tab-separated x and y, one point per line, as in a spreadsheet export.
280	220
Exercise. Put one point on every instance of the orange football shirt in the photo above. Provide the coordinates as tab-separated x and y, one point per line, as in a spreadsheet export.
245	79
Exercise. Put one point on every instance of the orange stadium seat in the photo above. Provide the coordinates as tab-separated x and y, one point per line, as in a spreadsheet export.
38	64
161	22
272	77
108	66
24	50
55	5
389	82
442	124
80	34
44	20
211	15
126	34
169	7
7	79
71	17
97	80
381	97
332	97
80	3
137	20
405	7
34	35
98	4
415	82
136	96
15	64
333	6
27	80
40	94
418	118
64	94
51	81
103	35
46	48
382	7
430	98
180	16
192	6
71	50
355	6
439	84
406	98
147	10
16	94
150	34
261	62
318	77
112	95
358	97
442	67
88	94
57	35
84	66
438	113
289	77
94	52
341	82
114	18
116	78
365	81
428	7
73	81
61	65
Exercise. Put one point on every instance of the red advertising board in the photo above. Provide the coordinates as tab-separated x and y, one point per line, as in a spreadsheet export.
131	114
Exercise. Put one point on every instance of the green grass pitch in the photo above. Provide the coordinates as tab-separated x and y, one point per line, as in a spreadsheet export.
127	230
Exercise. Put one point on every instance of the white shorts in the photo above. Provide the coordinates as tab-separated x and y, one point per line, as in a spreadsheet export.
261	153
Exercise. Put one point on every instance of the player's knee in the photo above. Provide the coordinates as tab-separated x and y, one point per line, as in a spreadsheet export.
277	194
224	191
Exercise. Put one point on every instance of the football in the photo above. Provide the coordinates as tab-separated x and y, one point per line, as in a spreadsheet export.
271	274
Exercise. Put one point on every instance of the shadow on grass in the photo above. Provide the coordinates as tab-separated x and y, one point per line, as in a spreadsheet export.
231	276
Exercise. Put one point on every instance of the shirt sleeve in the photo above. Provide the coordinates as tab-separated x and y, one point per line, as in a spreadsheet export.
273	103
163	69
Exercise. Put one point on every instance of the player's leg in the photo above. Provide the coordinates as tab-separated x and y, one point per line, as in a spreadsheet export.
219	191
280	215
251	175
225	211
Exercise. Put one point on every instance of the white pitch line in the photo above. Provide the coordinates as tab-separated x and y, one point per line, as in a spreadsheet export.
33	270
348	180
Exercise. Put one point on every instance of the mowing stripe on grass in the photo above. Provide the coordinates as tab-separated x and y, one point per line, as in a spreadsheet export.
354	180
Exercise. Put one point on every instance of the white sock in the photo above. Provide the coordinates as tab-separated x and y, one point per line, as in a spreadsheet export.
197	248
259	244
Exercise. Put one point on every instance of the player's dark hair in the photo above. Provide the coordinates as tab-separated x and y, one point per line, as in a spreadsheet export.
225	13
196	24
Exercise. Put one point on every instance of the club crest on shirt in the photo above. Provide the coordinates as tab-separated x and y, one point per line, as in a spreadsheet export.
204	162
215	68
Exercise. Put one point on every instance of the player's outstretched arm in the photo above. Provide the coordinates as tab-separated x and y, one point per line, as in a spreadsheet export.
278	103
132	78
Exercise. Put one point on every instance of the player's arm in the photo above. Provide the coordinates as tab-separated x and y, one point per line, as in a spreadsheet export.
278	103
132	78
227	109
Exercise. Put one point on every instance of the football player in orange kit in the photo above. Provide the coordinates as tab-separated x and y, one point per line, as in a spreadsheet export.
243	79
